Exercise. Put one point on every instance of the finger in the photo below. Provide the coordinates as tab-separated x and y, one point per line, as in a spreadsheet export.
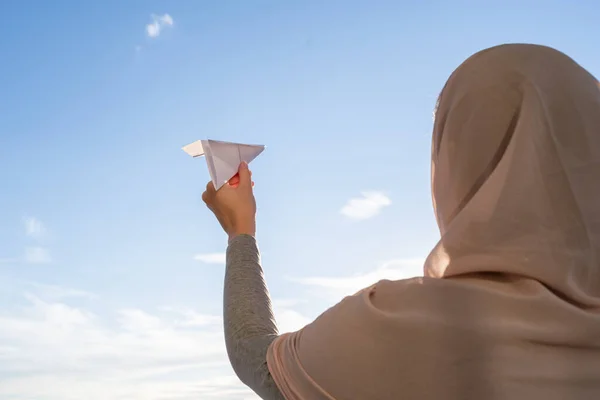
234	180
245	175
209	193
210	188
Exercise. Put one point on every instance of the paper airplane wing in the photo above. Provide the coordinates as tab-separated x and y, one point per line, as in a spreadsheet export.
223	158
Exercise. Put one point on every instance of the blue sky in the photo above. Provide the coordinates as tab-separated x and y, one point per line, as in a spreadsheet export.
110	266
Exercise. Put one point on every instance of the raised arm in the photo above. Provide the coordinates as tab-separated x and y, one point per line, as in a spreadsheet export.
249	322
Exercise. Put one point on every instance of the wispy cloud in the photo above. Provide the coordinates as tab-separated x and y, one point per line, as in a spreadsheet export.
34	227
54	292
37	255
191	318
134	355
55	350
289	319
366	206
211	258
337	287
159	22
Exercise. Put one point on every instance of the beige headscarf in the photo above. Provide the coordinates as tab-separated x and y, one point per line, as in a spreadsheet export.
516	313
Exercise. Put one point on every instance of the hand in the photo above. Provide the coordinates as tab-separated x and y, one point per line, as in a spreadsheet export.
233	204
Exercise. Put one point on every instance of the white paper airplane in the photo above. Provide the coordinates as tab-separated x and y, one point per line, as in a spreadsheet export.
223	158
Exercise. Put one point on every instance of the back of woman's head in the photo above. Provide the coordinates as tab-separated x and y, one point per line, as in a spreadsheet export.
516	170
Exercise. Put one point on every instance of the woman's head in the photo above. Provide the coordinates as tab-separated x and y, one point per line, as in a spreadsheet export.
516	167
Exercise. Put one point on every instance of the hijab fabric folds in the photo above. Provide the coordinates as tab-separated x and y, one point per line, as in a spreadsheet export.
509	305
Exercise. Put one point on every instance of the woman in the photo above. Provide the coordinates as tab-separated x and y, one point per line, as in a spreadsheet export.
509	305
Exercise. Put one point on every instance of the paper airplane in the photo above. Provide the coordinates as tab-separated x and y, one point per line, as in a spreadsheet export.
223	158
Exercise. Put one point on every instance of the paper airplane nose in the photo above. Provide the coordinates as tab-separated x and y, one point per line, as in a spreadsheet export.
194	149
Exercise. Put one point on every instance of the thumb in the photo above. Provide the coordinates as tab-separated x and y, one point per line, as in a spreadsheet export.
245	175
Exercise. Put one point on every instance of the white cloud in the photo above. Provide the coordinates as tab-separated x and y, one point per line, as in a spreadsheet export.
189	317
159	22
166	19
53	292
288	319
134	355
55	346
211	258
287	303
367	206
34	227
54	350
338	287
37	255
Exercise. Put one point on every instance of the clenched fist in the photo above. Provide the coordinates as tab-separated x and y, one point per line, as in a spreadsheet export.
233	204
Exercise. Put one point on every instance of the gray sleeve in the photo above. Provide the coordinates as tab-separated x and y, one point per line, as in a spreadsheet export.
248	318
